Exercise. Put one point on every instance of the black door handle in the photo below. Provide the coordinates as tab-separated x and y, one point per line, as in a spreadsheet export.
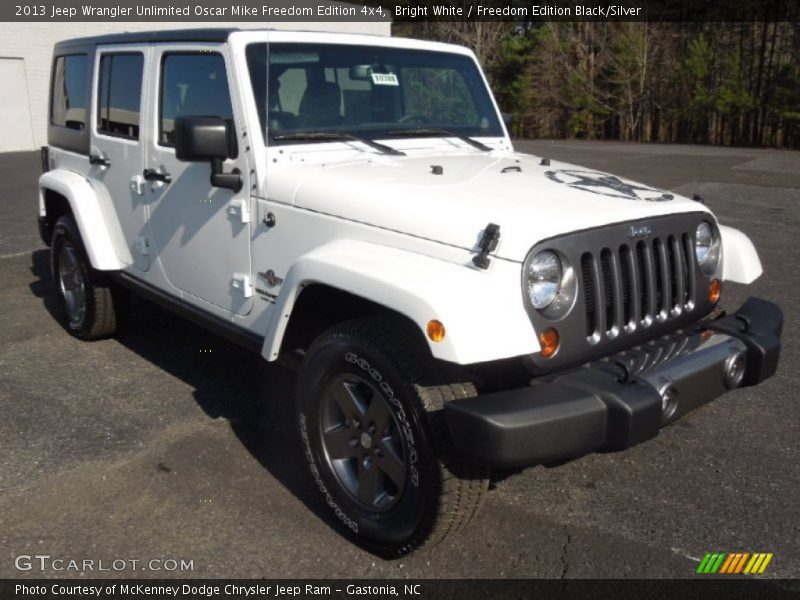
153	175
96	159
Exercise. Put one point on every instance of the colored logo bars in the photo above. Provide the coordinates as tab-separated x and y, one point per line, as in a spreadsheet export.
734	562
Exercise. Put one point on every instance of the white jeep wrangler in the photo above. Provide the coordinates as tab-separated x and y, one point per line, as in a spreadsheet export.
356	201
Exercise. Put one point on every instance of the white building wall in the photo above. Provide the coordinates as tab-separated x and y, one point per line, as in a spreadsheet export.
32	43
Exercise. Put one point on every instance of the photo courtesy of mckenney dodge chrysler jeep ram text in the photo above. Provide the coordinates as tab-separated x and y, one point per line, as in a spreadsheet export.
356	202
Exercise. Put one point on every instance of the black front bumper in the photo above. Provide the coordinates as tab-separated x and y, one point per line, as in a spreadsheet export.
621	401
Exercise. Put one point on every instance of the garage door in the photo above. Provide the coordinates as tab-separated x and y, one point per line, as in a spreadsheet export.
15	116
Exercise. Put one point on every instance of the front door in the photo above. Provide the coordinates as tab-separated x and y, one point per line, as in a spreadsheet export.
200	234
116	153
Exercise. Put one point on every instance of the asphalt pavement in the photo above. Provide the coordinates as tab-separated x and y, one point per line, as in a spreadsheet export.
167	442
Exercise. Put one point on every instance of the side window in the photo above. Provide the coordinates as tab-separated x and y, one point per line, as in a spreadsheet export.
192	85
120	94
68	107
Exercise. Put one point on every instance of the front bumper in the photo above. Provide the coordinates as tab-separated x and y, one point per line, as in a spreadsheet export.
620	401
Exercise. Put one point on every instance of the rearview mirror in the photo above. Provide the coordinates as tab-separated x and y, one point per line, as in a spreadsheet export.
508	120
199	139
360	72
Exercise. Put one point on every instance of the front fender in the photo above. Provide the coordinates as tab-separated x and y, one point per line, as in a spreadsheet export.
96	219
482	311
740	261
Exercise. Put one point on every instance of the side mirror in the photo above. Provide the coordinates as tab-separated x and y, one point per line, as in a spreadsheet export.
200	139
508	119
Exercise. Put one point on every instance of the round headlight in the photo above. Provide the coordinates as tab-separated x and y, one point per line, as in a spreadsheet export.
706	248
544	279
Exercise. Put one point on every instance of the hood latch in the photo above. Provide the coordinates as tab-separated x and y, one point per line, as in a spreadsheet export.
488	243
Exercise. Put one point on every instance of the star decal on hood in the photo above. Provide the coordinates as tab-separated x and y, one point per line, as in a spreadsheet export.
607	185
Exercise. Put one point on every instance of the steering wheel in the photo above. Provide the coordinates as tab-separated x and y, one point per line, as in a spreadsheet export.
414	117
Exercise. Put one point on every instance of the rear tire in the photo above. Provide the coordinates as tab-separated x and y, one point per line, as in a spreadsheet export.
84	294
369	407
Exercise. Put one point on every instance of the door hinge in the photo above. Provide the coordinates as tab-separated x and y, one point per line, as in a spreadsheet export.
142	245
242	283
241	207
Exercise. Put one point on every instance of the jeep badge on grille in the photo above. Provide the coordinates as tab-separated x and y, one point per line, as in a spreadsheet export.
639	231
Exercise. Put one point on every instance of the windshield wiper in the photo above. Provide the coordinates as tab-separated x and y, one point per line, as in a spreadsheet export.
338	135
429	131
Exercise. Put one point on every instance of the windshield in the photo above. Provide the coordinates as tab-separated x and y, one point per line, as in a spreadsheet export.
368	91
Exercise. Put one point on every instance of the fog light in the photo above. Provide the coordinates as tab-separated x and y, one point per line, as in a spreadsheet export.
669	401
714	290
733	369
548	340
435	330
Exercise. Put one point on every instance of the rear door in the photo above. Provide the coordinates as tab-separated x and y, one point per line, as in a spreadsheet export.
200	233
117	148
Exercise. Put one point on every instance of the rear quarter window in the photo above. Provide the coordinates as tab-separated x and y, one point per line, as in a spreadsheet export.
69	93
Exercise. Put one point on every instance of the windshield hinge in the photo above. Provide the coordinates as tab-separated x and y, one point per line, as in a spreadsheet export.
488	243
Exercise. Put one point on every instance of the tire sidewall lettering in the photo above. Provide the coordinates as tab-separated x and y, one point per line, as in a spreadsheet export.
402	520
398	410
340	514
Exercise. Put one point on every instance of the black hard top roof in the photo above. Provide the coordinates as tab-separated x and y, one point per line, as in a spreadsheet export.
165	35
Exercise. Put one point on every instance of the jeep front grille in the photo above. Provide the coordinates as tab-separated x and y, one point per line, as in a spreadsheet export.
631	286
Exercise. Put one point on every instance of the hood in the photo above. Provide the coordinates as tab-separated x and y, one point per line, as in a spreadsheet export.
451	199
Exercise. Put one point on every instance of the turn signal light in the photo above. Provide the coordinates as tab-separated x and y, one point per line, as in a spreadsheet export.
714	290
435	330
548	340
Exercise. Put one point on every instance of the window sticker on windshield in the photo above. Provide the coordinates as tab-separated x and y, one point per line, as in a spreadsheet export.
384	79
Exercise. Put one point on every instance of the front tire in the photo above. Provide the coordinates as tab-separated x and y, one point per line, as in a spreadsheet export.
84	294
369	406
